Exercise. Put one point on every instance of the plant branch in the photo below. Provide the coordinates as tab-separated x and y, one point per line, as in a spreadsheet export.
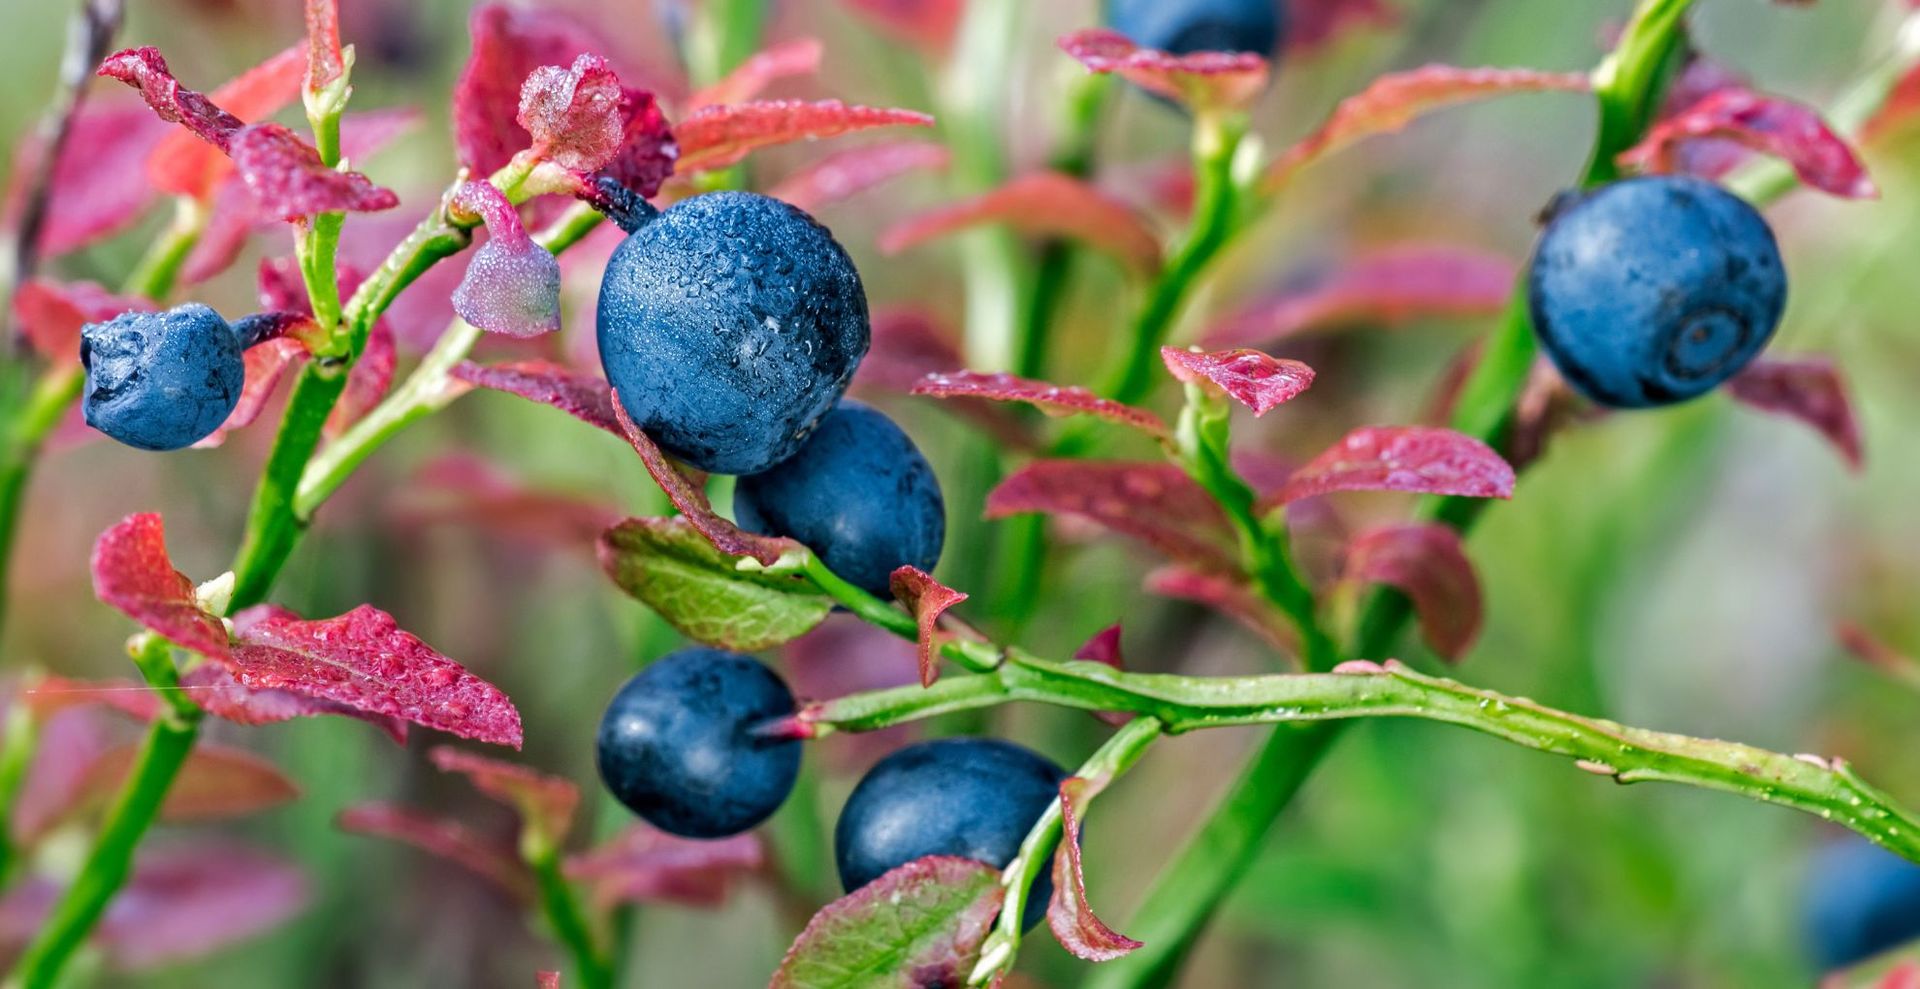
561	907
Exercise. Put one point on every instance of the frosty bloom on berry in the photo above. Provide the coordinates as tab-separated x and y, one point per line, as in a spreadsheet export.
161	381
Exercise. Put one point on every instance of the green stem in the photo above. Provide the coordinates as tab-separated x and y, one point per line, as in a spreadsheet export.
561	906
1114	757
21	736
168	743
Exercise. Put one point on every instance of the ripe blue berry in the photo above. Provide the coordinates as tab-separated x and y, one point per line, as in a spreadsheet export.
972	797
1861	900
1186	26
161	381
730	324
678	747
858	493
1655	290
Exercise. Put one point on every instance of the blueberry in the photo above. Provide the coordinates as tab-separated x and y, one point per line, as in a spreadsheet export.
972	797
1654	290
1186	26
858	493
1861	901
730	324
161	381
677	744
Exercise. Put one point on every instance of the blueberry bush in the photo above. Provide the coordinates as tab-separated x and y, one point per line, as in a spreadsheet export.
847	682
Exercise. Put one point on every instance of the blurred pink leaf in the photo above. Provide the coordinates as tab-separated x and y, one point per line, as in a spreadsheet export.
1202	81
919	925
1054	400
1420	459
132	572
930	24
324	59
215	783
362	659
1069	916
546	980
71	738
839	176
644	865
1788	130
1313	24
443	838
1253	379
796	57
51	313
927	599
545	803
1875	651
1230	596
717	136
1426	563
1810	389
1155	503
1397	99
468	491
99	186
194	164
512	286
368	382
909	345
1045	204
1390	285
214	688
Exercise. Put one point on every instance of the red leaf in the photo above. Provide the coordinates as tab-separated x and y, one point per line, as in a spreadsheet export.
927	23
1421	459
910	344
290	182
266	364
927	599
583	396
1875	652
546	980
512	285
1202	81
1045	204
1253	379
839	176
470	492
1054	400
576	116
1313	24
132	572
1157	504
1428	565
214	689
99	185
363	660
368	382
1783	128
1391	285
546	803
1230	596
1069	916
324	61
145	70
898	896
1104	647
193	165
70	739
1810	389
1395	100
798	57
179	903
442	838
645	865
717	136
51	314
691	500
215	783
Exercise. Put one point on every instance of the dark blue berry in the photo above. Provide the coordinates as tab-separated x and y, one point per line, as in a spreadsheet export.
678	744
1861	901
1186	26
161	381
730	324
1655	290
858	493
971	797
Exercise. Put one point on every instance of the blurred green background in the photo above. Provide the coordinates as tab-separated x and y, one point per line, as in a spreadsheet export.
1680	570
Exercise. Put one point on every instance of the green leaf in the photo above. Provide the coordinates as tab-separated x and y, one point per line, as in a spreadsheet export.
669	566
919	925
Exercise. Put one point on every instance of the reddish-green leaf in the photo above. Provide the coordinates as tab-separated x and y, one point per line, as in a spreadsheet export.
691	500
1253	379
1391	285
919	925
669	565
1045	204
189	164
1426	563
927	599
50	314
1229	595
1810	389
645	865
1069	916
1791	131
1054	400
796	57
132	572
1157	504
215	689
325	61
1313	24
839	176
717	136
546	803
442	838
1420	459
1202	81
215	783
585	397
929	24
1397	99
